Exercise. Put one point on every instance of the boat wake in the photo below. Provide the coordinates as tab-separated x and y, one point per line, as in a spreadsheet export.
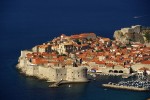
139	16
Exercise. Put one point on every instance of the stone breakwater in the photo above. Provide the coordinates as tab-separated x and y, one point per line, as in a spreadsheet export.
125	87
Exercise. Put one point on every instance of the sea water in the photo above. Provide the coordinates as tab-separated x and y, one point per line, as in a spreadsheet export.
26	23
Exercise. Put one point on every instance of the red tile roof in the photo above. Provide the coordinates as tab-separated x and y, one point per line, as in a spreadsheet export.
146	62
144	68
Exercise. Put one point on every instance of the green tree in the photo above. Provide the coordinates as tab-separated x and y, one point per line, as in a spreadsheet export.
78	41
101	50
147	36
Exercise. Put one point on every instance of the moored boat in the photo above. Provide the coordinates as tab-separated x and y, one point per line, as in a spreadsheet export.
129	85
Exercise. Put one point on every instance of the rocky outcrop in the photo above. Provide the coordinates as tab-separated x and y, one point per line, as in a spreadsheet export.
133	34
146	34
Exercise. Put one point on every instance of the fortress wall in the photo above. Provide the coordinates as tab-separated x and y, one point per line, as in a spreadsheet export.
24	52
106	70
44	72
70	74
29	70
136	28
139	65
35	49
35	70
53	74
21	62
78	74
127	30
61	74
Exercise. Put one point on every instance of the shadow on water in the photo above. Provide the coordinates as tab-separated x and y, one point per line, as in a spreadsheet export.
75	91
18	85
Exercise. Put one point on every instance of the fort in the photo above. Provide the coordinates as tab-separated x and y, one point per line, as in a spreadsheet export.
52	73
69	58
126	35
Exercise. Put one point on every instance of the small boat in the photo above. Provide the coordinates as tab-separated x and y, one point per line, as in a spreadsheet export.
69	86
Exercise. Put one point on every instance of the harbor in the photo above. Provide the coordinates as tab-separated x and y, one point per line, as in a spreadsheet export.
137	85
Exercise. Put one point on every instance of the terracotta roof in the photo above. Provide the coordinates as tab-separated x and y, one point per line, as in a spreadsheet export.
105	39
39	61
46	54
74	36
83	35
94	68
100	62
144	68
100	54
42	46
29	55
84	45
87	34
68	62
61	58
146	62
110	65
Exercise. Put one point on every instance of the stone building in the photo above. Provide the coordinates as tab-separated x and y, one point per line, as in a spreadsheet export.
52	73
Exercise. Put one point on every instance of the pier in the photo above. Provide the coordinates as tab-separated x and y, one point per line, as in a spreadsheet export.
56	84
125	87
137	85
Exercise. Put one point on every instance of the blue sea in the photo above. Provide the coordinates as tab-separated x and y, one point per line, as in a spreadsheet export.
26	23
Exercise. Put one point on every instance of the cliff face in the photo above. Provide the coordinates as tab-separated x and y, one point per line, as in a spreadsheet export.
135	34
146	34
119	36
